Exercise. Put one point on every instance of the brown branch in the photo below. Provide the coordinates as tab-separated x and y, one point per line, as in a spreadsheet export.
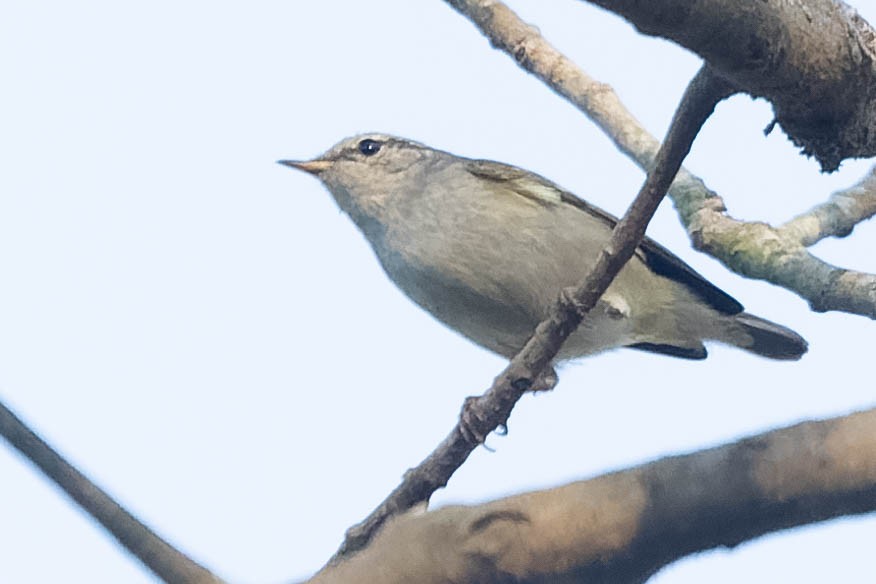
484	414
598	101
163	559
623	527
755	250
814	60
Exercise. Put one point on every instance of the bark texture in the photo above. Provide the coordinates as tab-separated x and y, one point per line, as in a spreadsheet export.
814	60
163	559
623	527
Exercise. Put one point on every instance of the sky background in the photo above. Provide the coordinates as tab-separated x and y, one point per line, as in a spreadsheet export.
205	335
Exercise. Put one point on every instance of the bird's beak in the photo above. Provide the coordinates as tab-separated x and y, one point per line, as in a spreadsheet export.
314	167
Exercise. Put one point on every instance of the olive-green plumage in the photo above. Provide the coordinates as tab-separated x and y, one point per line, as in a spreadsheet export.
486	248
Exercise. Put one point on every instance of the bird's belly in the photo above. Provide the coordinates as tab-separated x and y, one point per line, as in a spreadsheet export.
493	324
501	322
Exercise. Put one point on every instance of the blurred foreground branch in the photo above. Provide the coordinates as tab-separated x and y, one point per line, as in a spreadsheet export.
623	527
620	527
163	559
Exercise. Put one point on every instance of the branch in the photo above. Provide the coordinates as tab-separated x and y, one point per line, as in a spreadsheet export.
838	216
755	250
164	560
484	414
778	255
623	527
772	49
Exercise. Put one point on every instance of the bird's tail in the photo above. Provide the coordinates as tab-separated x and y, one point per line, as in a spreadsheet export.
765	338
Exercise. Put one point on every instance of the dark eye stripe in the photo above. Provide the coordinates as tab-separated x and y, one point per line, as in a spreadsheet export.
369	147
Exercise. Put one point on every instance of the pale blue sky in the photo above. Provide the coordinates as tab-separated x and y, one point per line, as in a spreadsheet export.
203	333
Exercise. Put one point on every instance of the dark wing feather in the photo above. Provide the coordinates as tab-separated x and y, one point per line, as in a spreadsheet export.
693	353
658	258
667	264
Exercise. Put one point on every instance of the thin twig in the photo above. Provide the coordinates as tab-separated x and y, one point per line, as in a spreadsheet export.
484	414
163	559
623	526
838	216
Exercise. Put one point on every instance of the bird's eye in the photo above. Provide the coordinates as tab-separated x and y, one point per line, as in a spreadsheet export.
369	147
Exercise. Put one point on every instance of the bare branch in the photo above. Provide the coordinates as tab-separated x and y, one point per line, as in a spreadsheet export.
755	250
484	414
623	527
163	559
760	251
598	101
772	49
838	216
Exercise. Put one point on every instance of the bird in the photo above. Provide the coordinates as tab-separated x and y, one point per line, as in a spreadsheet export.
486	248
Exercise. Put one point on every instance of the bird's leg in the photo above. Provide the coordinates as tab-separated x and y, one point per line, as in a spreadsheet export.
471	421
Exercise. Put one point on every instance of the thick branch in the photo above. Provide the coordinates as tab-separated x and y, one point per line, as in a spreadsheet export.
484	414
814	60
623	527
163	559
779	258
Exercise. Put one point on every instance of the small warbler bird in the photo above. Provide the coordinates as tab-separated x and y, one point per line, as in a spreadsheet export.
486	248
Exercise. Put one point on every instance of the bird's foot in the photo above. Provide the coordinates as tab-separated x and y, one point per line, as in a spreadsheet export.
471	422
546	381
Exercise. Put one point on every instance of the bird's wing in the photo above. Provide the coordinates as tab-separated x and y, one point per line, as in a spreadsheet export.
661	261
